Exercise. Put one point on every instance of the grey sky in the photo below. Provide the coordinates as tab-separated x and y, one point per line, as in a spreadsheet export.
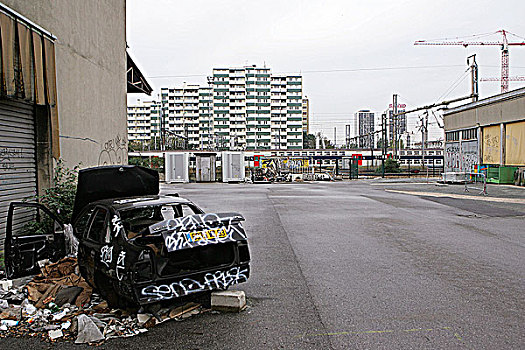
187	39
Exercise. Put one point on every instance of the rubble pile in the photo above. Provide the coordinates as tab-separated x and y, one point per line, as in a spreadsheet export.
59	305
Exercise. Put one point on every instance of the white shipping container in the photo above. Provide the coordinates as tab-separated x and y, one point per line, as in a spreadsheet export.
233	166
176	167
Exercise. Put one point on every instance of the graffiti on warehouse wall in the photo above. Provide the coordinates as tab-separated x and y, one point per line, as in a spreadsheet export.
469	155
452	157
284	163
461	158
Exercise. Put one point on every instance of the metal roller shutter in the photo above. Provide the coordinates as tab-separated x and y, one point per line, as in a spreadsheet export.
17	156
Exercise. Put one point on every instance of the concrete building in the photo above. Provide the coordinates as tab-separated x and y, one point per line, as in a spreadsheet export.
397	127
364	126
488	133
243	108
254	109
188	115
144	119
63	91
306	115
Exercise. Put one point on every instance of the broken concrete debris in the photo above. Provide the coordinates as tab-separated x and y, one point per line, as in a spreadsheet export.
228	301
54	334
59	305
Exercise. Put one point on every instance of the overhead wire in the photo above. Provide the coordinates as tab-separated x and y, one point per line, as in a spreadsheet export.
453	86
321	71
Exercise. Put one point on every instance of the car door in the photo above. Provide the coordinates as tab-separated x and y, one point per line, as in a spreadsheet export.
33	233
93	253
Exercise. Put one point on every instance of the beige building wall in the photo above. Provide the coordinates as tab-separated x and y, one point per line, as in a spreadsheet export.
503	111
91	75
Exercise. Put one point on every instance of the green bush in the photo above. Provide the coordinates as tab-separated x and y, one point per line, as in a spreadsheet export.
391	166
157	163
60	197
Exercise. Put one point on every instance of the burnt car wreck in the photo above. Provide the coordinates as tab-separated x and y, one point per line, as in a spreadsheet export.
134	245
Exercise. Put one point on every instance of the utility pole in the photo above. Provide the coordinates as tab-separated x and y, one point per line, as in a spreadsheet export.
474	76
424	136
383	145
394	123
371	135
163	128
347	128
335	136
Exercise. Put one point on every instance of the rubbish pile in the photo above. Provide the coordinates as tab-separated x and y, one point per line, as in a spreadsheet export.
59	305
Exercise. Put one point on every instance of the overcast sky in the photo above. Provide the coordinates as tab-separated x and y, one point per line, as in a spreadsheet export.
352	54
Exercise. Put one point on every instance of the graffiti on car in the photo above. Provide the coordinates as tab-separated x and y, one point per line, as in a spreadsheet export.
217	280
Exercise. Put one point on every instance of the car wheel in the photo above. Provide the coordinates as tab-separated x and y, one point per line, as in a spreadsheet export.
107	291
9	271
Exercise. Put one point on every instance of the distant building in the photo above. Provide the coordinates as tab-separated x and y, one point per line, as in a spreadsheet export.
188	116
306	115
397	127
144	122
243	109
255	109
364	126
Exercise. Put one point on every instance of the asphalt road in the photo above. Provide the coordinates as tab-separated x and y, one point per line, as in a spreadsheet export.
349	265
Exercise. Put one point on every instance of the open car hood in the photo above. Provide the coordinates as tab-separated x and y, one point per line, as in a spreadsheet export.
113	181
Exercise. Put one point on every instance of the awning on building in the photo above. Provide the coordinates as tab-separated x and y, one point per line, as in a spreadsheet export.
28	69
136	81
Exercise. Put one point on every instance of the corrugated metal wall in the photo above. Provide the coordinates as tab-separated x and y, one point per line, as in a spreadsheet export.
17	156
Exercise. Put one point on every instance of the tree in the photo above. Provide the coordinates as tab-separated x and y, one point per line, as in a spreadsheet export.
391	166
308	140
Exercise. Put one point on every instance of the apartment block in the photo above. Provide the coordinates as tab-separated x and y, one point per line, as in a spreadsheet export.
243	108
144	121
306	115
188	115
255	109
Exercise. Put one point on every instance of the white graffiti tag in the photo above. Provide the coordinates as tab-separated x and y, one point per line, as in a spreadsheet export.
199	230
106	255
120	265
117	225
210	281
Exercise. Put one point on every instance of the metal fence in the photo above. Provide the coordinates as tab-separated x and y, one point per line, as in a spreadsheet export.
476	181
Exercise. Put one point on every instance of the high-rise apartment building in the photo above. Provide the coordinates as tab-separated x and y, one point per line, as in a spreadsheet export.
306	115
364	126
254	109
243	109
144	122
188	115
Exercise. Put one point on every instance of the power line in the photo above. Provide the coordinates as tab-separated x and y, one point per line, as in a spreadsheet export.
321	71
454	85
336	70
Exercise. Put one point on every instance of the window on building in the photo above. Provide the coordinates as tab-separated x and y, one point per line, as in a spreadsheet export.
452	136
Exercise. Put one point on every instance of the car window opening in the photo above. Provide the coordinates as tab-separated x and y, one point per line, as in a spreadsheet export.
136	220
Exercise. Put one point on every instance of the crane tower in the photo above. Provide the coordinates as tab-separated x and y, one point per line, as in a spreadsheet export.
503	43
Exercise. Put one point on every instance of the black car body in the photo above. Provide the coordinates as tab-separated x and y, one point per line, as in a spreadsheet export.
140	248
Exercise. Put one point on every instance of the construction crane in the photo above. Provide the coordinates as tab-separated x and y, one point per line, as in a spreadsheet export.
503	43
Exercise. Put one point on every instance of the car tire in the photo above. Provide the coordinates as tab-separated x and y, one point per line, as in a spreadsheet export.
106	288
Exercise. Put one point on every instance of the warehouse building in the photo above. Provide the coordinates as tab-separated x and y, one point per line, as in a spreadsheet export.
487	135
